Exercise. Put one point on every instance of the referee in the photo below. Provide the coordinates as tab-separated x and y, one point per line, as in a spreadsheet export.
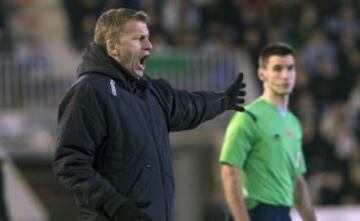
262	162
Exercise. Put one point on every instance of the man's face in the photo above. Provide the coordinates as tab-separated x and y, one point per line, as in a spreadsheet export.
133	47
279	75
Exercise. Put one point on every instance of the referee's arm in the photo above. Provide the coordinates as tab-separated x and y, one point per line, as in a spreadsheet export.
303	200
233	192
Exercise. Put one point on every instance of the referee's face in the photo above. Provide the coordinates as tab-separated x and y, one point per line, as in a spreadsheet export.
279	75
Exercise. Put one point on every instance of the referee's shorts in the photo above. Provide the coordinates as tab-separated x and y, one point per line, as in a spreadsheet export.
266	212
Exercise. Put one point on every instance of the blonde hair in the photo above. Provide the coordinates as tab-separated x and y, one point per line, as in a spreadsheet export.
111	23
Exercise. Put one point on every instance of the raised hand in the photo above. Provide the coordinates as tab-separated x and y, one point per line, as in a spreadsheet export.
233	97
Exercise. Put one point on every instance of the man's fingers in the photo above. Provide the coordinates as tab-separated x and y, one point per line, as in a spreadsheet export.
240	101
239	108
240	77
234	95
239	86
241	93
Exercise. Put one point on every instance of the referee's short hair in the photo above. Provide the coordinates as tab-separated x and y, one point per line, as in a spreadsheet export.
277	48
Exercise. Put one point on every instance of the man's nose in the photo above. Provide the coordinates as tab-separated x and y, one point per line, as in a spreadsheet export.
286	74
147	45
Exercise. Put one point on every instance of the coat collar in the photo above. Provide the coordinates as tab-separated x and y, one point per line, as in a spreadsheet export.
94	59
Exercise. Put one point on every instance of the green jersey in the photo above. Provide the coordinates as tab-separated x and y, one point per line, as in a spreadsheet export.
265	144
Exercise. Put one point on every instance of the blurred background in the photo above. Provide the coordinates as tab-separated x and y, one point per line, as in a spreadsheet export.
198	45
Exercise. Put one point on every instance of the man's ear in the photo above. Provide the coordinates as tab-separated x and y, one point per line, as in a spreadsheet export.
261	74
111	48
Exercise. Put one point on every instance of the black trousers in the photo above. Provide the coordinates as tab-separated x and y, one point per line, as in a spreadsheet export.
266	212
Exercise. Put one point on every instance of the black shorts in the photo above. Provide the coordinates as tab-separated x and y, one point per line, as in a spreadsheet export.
266	212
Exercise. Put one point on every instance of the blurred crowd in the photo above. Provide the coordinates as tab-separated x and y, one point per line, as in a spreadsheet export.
326	37
20	44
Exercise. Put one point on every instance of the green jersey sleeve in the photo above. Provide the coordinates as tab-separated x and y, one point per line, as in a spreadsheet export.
302	168
237	141
300	163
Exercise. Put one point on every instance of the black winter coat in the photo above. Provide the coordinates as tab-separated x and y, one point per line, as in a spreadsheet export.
3	203
113	137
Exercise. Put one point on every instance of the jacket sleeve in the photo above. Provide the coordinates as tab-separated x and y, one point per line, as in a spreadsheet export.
81	130
186	110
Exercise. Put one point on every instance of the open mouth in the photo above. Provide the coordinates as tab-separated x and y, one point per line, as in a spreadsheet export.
142	60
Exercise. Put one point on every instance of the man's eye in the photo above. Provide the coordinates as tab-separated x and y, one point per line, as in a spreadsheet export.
277	69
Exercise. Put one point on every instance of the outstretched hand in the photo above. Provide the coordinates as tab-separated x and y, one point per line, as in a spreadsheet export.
233	97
